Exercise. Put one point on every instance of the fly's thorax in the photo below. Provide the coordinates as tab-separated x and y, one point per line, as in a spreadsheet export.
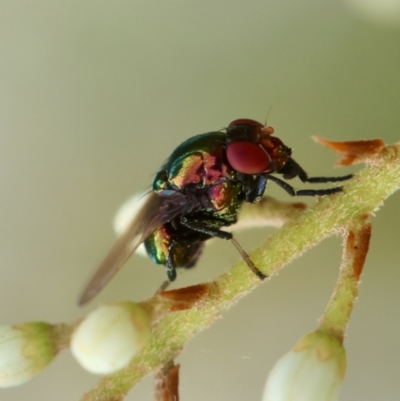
198	169
200	161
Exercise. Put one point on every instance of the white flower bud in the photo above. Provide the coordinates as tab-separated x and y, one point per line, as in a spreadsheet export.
25	350
312	371
107	339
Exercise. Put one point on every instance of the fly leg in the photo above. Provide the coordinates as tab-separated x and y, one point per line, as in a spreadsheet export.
163	287
248	261
293	169
303	192
254	189
171	269
210	227
184	252
170	265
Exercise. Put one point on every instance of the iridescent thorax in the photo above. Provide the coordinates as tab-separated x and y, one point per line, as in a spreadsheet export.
199	161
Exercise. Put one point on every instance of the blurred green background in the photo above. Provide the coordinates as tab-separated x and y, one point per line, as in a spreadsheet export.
95	95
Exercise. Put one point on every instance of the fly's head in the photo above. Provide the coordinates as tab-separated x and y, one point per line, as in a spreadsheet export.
251	148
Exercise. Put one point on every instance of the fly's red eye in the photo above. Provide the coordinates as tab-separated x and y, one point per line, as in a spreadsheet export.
247	157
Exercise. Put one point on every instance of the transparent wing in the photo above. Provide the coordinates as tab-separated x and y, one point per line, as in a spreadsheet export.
154	213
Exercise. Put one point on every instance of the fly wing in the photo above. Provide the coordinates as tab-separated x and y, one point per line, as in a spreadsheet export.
154	213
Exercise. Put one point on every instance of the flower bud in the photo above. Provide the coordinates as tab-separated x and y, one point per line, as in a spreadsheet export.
107	339
25	350
312	371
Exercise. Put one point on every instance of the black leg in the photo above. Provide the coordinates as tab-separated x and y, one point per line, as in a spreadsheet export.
206	226
255	190
328	179
210	227
171	270
187	258
318	192
303	192
293	169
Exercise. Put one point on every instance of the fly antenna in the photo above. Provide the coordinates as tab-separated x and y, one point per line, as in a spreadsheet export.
266	117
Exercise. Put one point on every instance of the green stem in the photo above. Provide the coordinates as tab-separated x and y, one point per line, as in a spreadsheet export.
355	249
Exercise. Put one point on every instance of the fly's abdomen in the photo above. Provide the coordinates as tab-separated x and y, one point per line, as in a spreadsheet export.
157	245
178	248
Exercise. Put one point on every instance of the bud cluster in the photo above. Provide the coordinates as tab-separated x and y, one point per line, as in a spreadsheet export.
103	342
